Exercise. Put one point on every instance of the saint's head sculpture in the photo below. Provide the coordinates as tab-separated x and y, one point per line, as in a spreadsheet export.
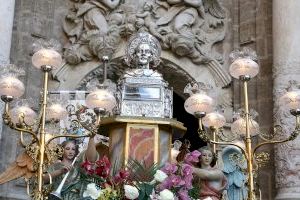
143	51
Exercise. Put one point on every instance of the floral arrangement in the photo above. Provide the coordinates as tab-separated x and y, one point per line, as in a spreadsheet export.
175	180
171	182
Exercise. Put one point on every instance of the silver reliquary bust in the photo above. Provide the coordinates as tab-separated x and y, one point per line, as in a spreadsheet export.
141	90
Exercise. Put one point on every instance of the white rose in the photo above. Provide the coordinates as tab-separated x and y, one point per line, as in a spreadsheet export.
208	198
131	192
166	195
92	191
160	176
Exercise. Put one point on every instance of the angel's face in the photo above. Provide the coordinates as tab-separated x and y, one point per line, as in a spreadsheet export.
206	157
69	151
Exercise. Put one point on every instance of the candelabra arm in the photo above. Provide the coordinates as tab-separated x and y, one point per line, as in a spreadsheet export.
22	139
205	138
293	136
23	130
69	136
6	108
91	129
229	143
98	121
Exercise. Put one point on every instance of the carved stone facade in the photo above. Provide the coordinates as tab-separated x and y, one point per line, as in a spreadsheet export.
286	74
196	39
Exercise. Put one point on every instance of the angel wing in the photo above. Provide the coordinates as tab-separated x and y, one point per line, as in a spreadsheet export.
234	162
214	8
22	167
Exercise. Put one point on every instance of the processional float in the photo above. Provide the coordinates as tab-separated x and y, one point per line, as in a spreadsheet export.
137	115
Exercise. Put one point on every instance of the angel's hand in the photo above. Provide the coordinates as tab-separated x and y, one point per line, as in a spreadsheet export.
65	169
91	134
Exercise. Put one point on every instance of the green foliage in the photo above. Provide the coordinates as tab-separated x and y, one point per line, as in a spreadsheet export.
194	192
139	172
145	190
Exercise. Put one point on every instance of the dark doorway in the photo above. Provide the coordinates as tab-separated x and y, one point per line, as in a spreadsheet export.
190	122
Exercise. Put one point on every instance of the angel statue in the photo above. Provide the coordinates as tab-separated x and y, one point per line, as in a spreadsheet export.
234	163
212	181
74	185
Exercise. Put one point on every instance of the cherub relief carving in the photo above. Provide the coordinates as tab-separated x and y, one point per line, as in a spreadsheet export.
189	28
92	28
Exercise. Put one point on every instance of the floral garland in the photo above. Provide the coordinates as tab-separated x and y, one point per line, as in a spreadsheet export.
171	182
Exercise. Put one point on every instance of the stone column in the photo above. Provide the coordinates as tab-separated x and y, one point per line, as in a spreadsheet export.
7	9
286	73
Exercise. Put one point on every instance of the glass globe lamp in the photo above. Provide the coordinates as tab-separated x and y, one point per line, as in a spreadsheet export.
101	99
243	67
46	57
214	119
56	112
11	86
198	103
29	114
291	100
239	127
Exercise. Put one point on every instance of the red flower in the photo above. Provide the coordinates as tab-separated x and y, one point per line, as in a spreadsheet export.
103	167
104	162
88	167
121	176
124	174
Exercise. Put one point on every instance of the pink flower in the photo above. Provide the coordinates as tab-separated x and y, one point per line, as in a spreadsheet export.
176	181
186	170
166	184
183	194
169	168
188	181
192	157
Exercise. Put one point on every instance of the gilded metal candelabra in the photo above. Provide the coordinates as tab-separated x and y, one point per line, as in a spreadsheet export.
23	119
199	104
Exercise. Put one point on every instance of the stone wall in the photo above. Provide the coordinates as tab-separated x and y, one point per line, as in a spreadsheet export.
33	19
248	24
253	28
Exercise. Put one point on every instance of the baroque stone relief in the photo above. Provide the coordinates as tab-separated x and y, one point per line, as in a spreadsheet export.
287	154
188	28
287	161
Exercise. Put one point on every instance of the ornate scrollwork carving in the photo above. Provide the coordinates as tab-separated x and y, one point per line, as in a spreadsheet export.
262	158
187	28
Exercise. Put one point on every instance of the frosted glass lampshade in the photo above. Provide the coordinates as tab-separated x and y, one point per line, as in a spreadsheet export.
11	86
239	127
243	67
46	57
56	112
198	103
29	114
291	100
101	98
214	119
